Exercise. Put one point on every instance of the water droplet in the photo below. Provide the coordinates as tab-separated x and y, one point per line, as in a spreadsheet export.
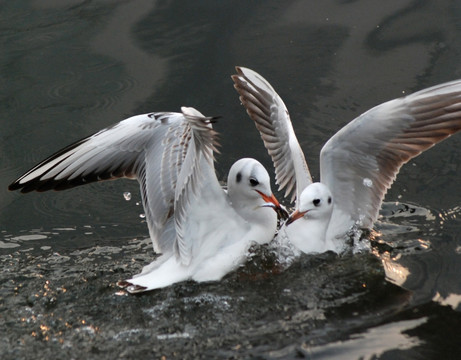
367	182
142	216
127	195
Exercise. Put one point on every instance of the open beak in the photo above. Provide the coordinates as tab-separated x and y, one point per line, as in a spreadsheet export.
271	201
295	216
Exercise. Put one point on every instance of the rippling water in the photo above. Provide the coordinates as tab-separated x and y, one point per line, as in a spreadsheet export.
71	68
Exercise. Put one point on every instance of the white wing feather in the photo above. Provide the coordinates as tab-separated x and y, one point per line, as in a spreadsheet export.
198	162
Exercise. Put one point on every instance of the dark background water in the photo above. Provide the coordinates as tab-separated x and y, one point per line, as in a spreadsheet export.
70	68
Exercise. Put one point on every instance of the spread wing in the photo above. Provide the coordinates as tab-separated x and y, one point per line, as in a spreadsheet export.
361	161
197	174
150	148
272	119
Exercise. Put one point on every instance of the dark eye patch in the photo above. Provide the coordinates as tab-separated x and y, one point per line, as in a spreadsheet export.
316	202
239	177
329	199
254	182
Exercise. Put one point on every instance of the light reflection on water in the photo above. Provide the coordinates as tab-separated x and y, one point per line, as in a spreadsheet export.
334	283
372	343
453	300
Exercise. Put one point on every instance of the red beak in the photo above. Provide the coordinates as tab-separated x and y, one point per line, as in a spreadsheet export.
295	216
271	201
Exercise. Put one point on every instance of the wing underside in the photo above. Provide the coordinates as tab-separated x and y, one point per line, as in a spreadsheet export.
271	117
361	161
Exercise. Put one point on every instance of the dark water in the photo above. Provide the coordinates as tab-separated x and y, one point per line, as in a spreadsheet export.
70	68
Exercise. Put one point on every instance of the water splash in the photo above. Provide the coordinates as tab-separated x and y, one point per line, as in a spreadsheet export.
283	250
367	182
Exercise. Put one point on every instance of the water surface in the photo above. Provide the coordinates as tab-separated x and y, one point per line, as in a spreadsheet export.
71	68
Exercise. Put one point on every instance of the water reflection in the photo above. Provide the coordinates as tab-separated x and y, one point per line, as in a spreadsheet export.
403	252
371	344
395	272
144	70
453	300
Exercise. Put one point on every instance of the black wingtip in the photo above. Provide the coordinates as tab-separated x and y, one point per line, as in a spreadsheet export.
214	119
14	186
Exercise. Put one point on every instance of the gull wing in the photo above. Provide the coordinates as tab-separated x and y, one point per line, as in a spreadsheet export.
150	148
197	175
361	161
272	119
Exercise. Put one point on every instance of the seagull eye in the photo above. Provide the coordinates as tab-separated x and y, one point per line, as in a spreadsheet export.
254	182
329	199
316	202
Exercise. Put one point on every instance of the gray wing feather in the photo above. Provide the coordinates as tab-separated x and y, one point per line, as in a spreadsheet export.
272	119
361	161
144	147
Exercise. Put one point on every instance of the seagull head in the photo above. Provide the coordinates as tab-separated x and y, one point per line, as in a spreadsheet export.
315	202
248	181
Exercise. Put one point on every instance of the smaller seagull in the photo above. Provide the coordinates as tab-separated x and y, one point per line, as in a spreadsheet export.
357	165
201	231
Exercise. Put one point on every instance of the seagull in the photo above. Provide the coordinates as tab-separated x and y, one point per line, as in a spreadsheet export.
357	165
201	231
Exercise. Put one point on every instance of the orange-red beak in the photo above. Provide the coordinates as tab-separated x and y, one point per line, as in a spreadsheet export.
271	201
295	216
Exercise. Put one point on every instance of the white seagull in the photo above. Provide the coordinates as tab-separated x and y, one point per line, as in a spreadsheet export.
357	165
201	231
